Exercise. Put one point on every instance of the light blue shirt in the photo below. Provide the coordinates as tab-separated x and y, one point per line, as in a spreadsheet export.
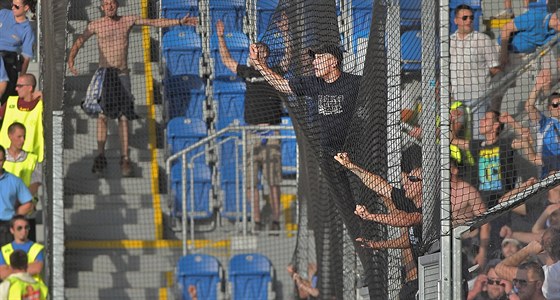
12	190
14	36
532	29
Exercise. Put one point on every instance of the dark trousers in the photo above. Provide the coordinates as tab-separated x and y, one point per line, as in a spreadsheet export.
12	66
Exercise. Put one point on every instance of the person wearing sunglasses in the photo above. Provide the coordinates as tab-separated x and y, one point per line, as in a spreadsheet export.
110	85
548	135
488	285
19	227
17	38
524	277
474	61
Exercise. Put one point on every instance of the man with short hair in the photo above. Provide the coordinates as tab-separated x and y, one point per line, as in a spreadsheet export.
24	165
15	198
474	60
112	32
19	227
26	108
20	285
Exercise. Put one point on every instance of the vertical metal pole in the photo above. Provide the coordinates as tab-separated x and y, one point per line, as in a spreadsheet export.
445	194
393	129
184	200
57	284
243	183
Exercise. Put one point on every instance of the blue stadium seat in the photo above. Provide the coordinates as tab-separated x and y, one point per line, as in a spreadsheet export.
477	11
361	16
289	149
183	132
411	50
231	176
231	12
204	272
177	9
230	97
182	51
265	11
238	46
411	13
201	186
185	96
250	276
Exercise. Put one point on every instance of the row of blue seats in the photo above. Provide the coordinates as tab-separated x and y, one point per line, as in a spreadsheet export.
230	12
250	276
182	133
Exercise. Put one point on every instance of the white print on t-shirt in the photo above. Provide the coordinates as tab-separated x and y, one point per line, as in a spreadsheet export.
330	104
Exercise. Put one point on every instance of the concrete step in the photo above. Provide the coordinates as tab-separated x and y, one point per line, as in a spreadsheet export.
108	216
115	263
110	182
136	139
116	280
117	293
93	201
108	231
113	153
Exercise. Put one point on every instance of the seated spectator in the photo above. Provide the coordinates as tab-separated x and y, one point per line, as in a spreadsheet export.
307	287
510	246
510	268
489	285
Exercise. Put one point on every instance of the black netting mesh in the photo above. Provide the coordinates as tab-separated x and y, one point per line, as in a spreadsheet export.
168	183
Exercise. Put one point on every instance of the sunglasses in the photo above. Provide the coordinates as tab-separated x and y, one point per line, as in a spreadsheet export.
521	282
413	178
464	18
555	104
494	282
16	6
20	228
22	85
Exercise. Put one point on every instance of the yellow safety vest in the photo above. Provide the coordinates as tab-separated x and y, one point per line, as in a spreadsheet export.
24	290
22	169
455	152
31	255
33	122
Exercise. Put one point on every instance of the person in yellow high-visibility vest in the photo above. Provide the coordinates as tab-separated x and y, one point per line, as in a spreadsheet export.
20	284
19	227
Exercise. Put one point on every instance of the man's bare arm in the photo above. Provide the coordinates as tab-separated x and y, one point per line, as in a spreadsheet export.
227	60
35	267
374	182
274	79
397	218
284	29
5	271
76	47
162	22
507	268
506	32
25	64
24	209
401	242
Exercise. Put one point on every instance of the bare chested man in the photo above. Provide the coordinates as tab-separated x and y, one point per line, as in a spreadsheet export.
112	32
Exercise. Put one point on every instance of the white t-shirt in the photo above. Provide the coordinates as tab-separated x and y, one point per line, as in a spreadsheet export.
471	61
551	285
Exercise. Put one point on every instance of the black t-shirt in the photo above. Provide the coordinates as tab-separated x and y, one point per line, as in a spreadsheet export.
414	232
335	104
496	173
263	103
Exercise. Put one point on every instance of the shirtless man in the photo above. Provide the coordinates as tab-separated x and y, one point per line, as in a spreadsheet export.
112	32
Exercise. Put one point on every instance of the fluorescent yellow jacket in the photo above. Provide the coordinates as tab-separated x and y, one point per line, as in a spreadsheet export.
26	289
33	122
31	255
23	169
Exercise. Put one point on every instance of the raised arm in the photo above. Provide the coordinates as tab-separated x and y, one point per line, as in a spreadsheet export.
78	43
540	225
530	107
523	141
507	268
285	31
274	79
402	242
227	60
372	181
163	22
505	34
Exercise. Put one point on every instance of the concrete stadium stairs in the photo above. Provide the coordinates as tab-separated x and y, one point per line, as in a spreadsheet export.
110	221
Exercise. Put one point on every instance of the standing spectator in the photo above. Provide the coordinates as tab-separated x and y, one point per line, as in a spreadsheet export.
16	37
26	108
510	246
112	32
25	166
19	227
474	60
15	198
20	285
263	106
548	146
488	285
511	269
